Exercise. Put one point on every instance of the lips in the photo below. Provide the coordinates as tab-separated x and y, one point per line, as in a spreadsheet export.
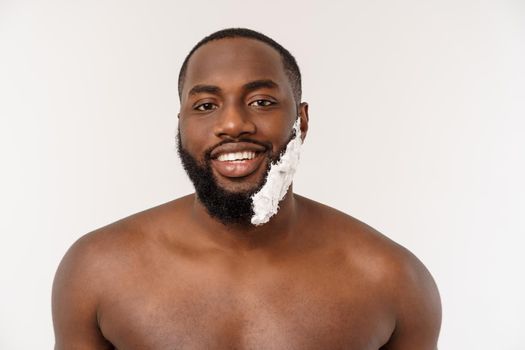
239	159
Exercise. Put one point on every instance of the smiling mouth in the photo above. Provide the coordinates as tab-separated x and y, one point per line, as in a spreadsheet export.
236	156
238	164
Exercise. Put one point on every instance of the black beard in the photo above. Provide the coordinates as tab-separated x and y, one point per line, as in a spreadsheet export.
226	206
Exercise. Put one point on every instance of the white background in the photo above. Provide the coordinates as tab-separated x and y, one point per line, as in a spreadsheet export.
417	128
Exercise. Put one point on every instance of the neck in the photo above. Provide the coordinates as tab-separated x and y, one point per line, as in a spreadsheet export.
277	231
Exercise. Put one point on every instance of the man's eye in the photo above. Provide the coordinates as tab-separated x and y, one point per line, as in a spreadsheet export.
206	107
262	103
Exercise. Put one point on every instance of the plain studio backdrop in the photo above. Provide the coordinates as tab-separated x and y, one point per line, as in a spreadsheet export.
416	127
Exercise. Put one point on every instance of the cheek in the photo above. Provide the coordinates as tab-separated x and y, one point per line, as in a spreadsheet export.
278	133
194	137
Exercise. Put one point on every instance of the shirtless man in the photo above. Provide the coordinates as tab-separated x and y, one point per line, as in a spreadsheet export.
223	268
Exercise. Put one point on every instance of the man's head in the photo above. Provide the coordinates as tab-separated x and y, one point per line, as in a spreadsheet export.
239	103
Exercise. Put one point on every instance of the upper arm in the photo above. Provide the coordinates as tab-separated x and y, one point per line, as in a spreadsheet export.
417	305
75	300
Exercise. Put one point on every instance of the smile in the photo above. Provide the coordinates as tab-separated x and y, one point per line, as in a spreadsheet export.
236	156
237	164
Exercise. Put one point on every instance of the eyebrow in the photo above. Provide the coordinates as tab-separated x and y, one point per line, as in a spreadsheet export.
251	86
259	84
211	89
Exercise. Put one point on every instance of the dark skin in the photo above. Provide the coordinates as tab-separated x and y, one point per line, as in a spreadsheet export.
173	277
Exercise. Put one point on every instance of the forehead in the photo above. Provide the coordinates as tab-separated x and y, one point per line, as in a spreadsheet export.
234	61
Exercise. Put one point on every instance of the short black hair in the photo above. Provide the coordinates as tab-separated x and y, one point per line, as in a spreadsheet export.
289	63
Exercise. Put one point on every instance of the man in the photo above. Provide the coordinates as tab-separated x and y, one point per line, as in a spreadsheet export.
244	263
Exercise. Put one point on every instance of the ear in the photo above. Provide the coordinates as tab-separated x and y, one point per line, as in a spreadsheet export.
303	114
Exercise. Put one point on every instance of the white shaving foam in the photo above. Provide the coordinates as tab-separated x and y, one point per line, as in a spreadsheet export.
265	203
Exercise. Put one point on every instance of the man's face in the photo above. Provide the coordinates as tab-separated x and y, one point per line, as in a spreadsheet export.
237	111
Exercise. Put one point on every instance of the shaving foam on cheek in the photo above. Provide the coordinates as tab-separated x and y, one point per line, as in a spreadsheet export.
265	203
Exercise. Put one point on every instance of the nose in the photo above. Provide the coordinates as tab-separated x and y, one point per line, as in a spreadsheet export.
234	122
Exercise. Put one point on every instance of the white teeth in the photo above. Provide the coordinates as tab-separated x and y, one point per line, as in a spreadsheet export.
228	157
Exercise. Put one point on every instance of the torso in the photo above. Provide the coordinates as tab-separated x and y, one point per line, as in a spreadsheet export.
327	293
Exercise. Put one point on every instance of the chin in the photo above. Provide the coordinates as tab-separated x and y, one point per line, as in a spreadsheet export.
240	185
247	184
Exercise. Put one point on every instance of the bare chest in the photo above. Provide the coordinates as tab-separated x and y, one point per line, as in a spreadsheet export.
210	314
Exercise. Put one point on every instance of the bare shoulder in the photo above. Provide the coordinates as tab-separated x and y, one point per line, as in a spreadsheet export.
97	252
407	285
87	273
365	246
